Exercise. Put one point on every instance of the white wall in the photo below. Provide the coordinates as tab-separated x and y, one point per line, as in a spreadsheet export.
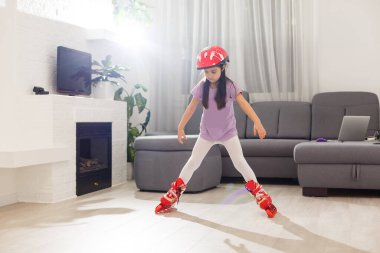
7	24
28	46
349	45
7	49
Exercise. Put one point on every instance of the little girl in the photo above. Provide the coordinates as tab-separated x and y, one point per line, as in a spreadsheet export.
217	93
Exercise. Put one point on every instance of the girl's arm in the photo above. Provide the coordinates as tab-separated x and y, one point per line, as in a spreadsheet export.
185	118
247	109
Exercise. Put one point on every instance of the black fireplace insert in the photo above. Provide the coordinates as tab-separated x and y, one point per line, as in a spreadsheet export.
94	156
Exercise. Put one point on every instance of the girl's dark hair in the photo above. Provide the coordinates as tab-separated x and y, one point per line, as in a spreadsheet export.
220	96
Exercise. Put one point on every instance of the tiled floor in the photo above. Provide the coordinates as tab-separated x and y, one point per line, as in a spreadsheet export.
224	219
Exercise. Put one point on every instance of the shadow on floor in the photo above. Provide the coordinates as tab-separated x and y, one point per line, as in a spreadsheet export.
46	214
310	242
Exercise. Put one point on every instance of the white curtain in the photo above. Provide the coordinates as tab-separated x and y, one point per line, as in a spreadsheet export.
271	46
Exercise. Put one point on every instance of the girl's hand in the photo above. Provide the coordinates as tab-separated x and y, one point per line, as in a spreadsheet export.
181	136
259	129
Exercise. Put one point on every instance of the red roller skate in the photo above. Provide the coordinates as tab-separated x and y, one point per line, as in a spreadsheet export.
172	196
262	198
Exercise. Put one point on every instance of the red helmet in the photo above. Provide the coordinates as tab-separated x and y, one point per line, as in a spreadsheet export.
211	57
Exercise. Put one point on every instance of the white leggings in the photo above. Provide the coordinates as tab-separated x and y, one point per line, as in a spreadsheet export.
202	147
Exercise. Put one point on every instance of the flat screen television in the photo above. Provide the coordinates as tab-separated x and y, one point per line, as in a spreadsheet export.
73	71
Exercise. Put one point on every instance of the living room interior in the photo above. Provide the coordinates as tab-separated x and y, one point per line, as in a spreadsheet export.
297	60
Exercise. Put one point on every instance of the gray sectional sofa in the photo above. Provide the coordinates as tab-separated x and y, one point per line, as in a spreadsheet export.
292	128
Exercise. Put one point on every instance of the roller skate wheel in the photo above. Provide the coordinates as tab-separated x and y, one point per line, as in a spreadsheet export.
271	211
158	209
163	209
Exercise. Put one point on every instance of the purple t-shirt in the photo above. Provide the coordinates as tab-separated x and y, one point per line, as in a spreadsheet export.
218	125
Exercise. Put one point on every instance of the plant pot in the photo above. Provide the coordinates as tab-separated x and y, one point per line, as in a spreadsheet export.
104	90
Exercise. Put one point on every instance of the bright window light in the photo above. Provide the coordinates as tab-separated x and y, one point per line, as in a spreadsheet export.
131	33
84	13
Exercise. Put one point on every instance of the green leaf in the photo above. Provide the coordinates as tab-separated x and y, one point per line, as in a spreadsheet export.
140	102
147	119
118	93
134	131
130	103
96	63
131	139
114	74
137	86
107	63
96	80
123	79
96	72
119	68
130	154
115	83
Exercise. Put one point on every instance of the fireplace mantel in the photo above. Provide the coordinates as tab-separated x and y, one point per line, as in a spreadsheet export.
31	157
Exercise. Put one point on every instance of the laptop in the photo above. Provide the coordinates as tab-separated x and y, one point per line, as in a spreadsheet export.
353	128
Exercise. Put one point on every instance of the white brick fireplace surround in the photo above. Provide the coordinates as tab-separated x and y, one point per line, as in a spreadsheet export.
40	165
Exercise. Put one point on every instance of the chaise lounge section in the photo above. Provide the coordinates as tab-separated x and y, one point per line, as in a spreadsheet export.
333	164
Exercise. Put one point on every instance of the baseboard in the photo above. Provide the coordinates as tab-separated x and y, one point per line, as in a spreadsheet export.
8	199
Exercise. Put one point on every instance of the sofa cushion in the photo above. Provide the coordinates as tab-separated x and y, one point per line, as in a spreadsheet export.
266	147
336	152
283	119
294	121
268	112
367	109
326	121
193	126
329	108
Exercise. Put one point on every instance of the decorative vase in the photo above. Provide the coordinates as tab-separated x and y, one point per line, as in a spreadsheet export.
104	90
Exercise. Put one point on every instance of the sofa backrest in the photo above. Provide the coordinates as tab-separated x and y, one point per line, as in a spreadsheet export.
282	119
192	126
328	109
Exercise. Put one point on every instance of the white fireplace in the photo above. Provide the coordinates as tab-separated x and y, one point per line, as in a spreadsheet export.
40	165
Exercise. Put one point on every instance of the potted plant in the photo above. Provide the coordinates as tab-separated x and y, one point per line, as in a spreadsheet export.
106	77
133	96
134	99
